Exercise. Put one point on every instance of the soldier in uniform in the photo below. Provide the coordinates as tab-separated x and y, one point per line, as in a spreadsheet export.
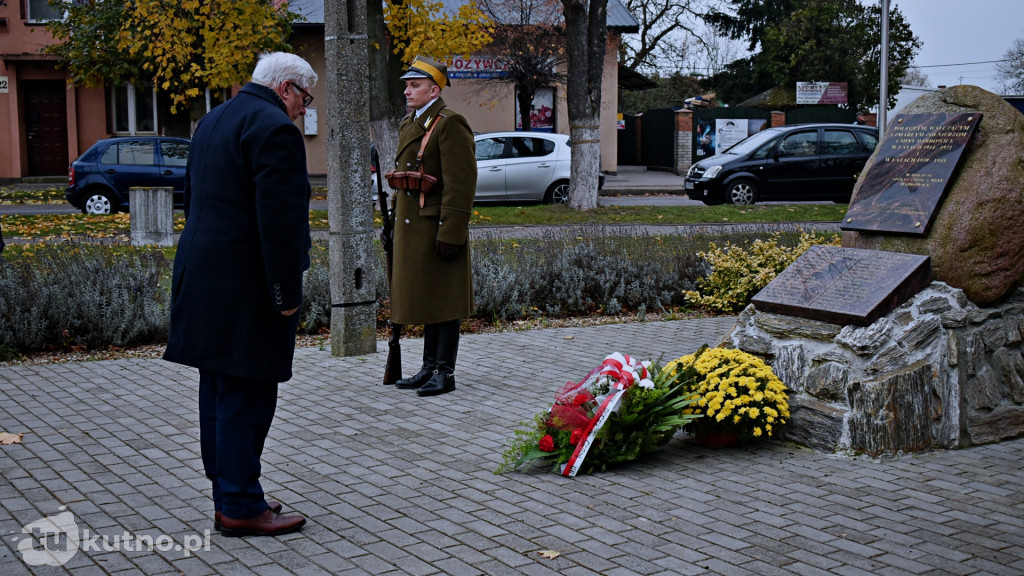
432	279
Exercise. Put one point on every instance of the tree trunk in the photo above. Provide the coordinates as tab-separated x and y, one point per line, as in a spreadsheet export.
586	28
525	98
387	101
585	164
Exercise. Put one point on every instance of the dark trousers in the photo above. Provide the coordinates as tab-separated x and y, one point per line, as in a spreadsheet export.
234	419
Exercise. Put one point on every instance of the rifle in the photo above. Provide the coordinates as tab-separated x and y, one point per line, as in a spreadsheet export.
393	366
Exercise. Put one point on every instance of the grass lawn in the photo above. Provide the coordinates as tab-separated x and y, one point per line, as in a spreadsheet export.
57	225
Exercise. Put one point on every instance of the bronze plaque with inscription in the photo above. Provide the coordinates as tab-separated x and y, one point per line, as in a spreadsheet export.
845	285
905	184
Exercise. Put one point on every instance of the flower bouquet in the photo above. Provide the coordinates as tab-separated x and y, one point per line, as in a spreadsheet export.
619	411
737	394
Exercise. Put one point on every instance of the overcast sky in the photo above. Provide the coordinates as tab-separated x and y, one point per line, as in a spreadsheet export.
963	32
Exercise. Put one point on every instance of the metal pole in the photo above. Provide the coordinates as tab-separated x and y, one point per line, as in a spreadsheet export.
354	266
883	88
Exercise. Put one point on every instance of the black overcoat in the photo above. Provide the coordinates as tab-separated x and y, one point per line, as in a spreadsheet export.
424	288
246	242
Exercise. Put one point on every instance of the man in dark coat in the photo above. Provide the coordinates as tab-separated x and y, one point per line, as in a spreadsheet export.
432	279
237	284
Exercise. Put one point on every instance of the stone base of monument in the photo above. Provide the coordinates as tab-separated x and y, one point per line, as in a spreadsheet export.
936	372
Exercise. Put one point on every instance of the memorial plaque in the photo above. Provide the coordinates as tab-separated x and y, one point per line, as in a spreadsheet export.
845	285
905	184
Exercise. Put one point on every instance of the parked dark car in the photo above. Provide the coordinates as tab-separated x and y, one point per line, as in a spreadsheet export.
795	162
99	180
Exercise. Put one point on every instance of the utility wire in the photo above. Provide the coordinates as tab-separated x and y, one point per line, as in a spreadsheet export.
964	64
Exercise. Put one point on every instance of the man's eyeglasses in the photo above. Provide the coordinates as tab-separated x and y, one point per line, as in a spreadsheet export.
307	99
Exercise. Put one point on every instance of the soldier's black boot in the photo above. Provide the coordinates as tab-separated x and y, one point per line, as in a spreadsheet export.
429	361
443	378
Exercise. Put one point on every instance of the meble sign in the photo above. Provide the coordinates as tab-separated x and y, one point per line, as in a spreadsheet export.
821	93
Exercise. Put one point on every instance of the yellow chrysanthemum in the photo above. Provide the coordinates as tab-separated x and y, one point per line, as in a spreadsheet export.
738	390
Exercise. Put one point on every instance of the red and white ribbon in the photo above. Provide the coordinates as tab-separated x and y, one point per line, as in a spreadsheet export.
622	372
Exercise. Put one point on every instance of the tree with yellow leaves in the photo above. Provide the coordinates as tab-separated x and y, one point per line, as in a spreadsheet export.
423	27
182	47
398	31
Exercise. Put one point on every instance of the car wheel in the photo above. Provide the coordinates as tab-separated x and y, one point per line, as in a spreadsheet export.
741	191
97	203
558	193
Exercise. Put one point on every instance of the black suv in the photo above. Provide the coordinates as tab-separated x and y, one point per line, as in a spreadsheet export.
795	162
99	180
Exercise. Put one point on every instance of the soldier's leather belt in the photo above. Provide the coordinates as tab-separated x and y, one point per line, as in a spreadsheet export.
409	180
412	181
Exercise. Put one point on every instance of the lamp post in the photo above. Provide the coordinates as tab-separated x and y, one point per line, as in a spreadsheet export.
350	212
883	88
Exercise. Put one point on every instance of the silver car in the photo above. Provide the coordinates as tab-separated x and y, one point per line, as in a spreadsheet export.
523	167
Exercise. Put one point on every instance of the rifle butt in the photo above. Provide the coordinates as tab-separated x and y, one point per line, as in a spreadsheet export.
393	367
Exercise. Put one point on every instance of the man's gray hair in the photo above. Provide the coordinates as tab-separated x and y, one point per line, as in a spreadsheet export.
275	68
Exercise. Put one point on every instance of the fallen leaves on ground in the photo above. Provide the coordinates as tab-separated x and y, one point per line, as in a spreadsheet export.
7	438
548	554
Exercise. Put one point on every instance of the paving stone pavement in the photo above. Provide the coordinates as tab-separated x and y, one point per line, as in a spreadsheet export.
395	484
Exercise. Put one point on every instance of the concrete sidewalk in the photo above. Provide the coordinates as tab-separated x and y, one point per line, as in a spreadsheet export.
636	180
396	484
627	181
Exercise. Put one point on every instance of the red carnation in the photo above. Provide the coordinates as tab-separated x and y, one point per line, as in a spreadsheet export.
547	444
579	400
576	436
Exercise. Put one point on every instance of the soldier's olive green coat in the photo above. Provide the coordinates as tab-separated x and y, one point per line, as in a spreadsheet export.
424	288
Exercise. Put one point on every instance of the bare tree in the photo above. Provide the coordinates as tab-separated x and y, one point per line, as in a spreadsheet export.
1011	70
669	30
586	26
717	52
530	44
914	77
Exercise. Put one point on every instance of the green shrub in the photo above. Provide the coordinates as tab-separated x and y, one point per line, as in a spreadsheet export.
82	294
316	287
316	291
581	271
54	296
738	272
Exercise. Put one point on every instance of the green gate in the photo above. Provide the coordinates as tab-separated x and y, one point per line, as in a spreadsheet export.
627	142
658	139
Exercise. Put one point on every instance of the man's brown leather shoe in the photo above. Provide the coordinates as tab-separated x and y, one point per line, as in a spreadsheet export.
269	523
273	506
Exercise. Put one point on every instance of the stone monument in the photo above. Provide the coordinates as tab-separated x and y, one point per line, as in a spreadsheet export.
938	367
977	238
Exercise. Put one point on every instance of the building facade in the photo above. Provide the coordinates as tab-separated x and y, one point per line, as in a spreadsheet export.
47	123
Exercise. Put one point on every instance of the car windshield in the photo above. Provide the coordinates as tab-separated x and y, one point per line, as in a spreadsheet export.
752	142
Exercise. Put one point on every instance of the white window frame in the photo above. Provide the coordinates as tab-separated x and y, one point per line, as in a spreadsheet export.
208	96
131	112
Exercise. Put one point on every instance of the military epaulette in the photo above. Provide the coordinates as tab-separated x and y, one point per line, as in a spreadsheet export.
440	114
